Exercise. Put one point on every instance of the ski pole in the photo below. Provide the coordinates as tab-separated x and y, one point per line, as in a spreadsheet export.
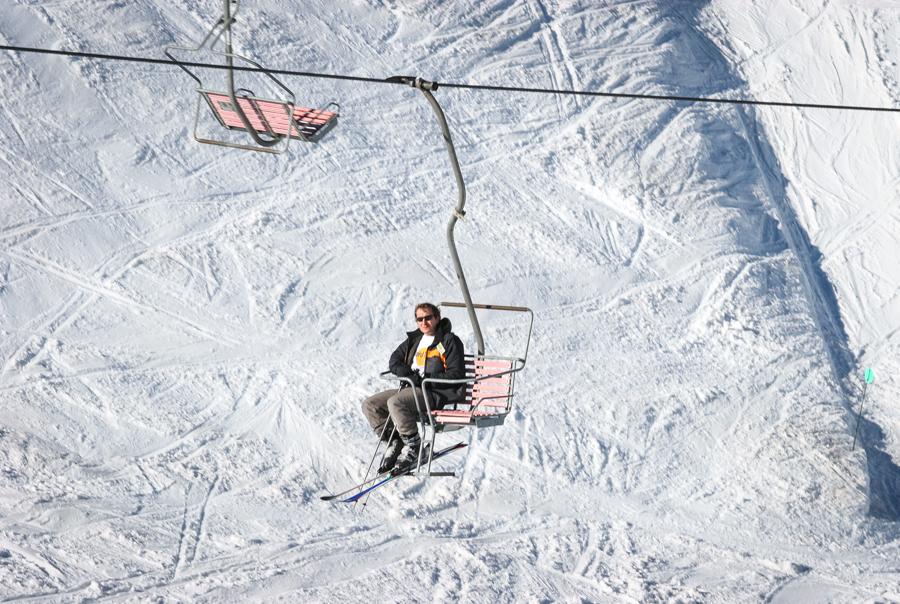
870	377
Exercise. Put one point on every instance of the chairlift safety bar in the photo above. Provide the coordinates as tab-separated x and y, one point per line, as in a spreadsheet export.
502	308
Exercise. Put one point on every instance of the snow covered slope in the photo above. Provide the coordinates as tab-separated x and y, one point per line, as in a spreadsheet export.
188	332
841	185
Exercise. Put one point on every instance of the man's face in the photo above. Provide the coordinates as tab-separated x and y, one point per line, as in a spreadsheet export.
426	321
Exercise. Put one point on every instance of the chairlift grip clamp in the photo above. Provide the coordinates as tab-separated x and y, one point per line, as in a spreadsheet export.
414	82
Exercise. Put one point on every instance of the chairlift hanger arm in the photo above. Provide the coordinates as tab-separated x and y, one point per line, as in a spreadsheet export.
219	28
229	59
459	211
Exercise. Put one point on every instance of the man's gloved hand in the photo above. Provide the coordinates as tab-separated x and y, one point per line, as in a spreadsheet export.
404	372
416	378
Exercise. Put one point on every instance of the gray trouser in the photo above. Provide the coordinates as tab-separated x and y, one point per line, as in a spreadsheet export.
395	407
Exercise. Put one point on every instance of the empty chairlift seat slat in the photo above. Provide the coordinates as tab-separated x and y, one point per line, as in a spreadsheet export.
272	117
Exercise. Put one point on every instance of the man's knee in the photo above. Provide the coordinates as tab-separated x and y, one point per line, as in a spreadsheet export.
375	409
375	401
397	403
403	411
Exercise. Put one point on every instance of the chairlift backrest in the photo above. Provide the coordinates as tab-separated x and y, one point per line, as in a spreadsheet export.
489	395
492	389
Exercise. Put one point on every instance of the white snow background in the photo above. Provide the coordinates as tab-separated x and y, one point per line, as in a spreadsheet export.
187	332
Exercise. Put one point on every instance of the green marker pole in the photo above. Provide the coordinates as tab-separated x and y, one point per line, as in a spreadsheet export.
870	377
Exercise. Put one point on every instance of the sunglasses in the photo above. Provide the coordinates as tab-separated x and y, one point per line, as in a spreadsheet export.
425	318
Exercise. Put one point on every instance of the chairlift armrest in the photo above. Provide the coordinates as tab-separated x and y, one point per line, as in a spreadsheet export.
489	398
471	380
475	379
390	376
445	381
387	375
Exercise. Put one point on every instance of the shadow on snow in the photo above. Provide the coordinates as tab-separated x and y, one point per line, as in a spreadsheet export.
884	473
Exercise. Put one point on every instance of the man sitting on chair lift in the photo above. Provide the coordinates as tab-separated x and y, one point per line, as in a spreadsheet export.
431	351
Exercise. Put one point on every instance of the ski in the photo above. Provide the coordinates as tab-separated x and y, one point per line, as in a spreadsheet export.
354	487
390	477
383	478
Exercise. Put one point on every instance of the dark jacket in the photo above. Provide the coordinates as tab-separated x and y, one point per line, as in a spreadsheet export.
445	360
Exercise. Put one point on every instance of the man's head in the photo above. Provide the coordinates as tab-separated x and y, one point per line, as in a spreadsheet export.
427	318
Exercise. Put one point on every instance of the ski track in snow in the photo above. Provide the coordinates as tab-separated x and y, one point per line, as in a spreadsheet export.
188	332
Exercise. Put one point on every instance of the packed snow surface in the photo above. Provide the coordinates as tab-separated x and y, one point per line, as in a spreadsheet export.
187	331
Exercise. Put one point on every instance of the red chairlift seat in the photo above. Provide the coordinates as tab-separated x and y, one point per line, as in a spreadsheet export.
270	124
488	395
272	117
